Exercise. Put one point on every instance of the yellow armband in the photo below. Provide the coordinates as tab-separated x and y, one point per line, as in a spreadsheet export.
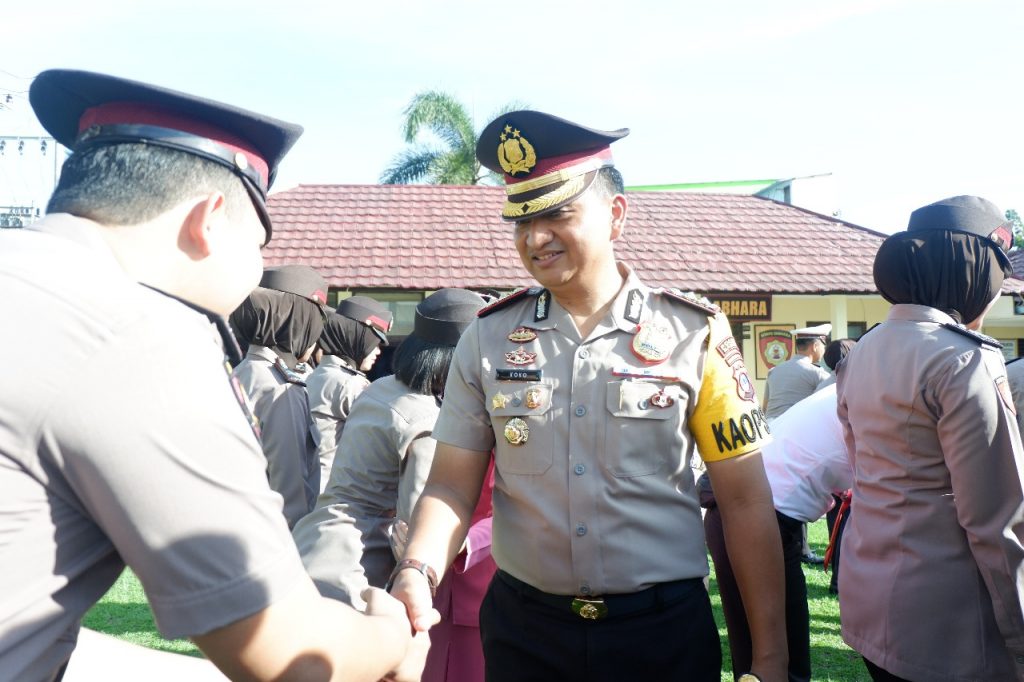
727	420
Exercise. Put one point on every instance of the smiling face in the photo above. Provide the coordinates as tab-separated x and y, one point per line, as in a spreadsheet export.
570	249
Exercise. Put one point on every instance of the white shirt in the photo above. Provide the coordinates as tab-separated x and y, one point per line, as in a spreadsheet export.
807	461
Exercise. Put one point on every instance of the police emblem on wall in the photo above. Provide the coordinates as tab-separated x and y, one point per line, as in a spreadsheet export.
515	153
774	346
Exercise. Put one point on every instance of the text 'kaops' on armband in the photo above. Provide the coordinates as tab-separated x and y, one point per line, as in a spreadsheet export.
748	429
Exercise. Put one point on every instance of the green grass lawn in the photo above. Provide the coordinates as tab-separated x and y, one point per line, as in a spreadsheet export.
123	612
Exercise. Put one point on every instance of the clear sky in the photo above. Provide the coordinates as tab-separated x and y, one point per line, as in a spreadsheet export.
903	101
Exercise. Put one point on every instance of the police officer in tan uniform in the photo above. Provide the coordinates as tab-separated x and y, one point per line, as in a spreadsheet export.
130	445
350	343
288	304
799	376
384	455
595	391
932	566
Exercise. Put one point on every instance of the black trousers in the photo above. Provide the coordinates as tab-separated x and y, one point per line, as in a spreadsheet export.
526	639
797	614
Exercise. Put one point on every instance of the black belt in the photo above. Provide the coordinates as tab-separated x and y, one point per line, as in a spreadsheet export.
608	605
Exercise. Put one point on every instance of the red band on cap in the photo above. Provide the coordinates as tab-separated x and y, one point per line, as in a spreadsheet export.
381	324
320	296
113	113
1002	236
557	163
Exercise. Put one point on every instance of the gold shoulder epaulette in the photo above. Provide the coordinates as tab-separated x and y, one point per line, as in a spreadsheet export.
505	301
691	299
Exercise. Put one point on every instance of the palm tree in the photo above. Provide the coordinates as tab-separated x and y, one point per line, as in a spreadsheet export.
453	161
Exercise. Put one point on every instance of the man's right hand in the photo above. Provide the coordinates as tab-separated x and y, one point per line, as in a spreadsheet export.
380	604
411	588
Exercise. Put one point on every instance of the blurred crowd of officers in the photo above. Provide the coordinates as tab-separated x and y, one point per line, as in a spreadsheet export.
530	490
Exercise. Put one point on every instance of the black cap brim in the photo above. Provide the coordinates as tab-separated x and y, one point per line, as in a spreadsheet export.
60	97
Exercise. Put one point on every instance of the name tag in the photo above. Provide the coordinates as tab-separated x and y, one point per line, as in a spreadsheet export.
518	374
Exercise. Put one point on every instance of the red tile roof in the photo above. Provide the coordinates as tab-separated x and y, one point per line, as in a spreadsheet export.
433	236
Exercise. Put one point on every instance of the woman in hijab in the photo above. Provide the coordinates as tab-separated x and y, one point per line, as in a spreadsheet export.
350	343
932	564
384	455
284	322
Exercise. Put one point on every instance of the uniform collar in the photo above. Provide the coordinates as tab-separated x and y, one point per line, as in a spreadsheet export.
82	231
628	309
339	362
912	312
262	353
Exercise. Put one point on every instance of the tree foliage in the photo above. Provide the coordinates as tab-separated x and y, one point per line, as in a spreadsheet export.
1018	228
441	144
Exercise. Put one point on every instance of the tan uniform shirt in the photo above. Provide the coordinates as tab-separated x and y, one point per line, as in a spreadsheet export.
287	433
332	388
791	382
121	442
382	464
932	561
599	498
1015	375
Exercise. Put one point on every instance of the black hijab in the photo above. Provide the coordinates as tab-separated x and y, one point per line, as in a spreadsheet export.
347	339
955	272
286	323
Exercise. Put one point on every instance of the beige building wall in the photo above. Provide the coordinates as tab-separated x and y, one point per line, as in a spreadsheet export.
837	309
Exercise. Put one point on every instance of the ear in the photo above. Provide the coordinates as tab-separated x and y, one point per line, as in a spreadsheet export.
197	229
619	206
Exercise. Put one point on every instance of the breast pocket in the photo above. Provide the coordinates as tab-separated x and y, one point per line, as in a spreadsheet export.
523	434
642	431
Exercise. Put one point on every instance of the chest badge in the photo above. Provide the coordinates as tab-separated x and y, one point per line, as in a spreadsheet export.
652	342
522	335
520	357
517	431
662	399
499	401
534	398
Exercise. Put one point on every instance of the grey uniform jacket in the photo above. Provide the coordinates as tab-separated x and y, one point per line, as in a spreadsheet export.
932	561
791	382
599	497
122	443
287	433
382	464
332	388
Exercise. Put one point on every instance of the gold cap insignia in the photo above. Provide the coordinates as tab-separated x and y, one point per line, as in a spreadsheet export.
515	153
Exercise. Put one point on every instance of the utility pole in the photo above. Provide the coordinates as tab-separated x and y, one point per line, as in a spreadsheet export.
20	214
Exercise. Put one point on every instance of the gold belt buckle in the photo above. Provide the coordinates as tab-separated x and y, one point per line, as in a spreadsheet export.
590	609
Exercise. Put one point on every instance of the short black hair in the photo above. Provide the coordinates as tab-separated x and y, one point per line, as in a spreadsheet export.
836	352
126	184
609	181
805	342
422	366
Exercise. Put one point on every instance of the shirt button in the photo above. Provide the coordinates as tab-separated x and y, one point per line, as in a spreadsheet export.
584	589
580	410
581	529
584	353
579	469
643	404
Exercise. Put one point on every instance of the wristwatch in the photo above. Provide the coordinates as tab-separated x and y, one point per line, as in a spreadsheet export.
416	565
749	677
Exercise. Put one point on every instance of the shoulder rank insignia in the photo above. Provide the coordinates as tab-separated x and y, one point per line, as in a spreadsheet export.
692	299
289	375
977	336
509	299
